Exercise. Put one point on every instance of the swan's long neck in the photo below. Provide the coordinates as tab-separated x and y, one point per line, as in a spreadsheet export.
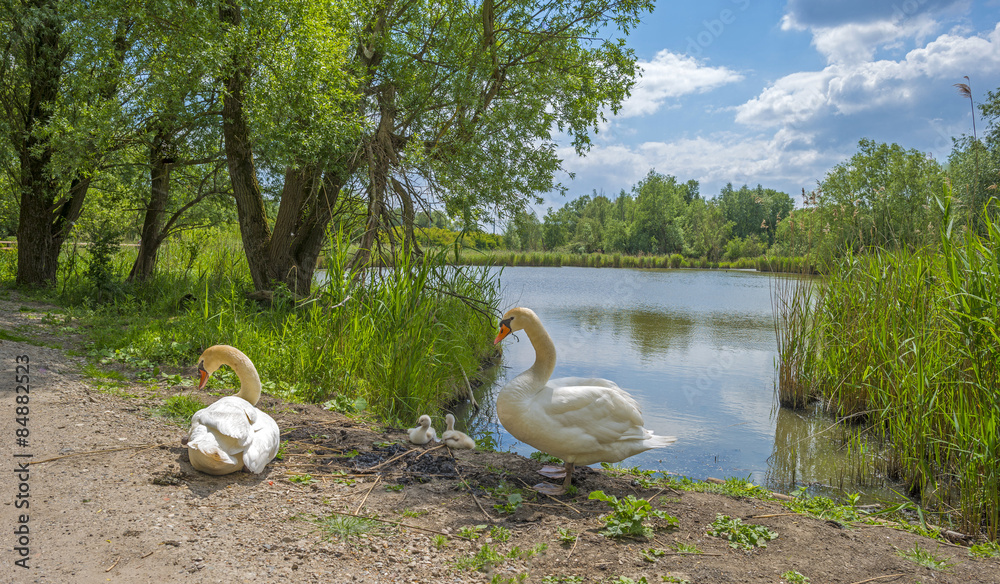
249	379
545	352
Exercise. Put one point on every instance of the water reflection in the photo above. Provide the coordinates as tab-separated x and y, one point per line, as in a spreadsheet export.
695	348
811	450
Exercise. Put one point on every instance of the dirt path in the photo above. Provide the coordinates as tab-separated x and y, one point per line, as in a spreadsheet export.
138	512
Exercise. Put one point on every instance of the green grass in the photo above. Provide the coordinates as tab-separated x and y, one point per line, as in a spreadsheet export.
347	527
384	343
179	409
924	558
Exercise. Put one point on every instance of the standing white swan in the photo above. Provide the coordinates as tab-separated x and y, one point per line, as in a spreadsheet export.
454	438
423	433
580	420
231	433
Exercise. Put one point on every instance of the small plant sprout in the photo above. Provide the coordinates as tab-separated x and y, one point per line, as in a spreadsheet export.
793	577
566	536
562	580
500	533
440	541
740	535
652	554
471	531
511	506
683	548
628	516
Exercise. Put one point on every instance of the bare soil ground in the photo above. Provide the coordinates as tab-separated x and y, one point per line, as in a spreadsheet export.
113	499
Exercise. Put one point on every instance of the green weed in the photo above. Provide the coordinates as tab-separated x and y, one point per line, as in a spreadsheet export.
740	535
629	515
794	577
924	558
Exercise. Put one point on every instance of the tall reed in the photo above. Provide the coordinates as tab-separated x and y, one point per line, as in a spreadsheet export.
909	342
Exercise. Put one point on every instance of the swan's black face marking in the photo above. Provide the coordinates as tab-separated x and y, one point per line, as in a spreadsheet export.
202	375
504	329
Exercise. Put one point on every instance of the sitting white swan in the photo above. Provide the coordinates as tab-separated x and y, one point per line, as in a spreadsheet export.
423	433
231	433
582	421
454	438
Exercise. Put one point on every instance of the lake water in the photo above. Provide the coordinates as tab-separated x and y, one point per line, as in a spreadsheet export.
697	349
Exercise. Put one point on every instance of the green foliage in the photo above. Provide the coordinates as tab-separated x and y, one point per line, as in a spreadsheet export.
439	541
652	554
794	577
628	516
179	408
824	507
302	479
740	535
986	549
924	558
562	580
545	458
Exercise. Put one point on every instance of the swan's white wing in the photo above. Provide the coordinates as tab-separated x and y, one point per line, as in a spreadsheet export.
230	417
599	413
264	445
582	382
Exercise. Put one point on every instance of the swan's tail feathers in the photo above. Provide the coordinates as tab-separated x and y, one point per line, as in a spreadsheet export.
655	441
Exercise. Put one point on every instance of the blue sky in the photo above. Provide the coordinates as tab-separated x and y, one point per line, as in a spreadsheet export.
777	93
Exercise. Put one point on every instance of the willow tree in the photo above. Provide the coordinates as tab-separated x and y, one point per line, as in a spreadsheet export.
460	102
65	63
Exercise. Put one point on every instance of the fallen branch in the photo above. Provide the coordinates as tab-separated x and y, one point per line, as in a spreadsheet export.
878	578
358	510
138	446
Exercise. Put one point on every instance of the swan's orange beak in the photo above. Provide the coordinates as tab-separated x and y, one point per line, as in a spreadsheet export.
504	331
202	375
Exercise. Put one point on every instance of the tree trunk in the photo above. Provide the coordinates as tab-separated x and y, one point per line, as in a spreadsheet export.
38	237
239	158
159	193
287	255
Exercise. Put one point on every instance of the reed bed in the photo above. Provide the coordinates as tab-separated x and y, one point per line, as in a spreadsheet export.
393	341
908	342
605	260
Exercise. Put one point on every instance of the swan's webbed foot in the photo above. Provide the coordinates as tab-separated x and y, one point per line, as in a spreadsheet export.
553	472
549	489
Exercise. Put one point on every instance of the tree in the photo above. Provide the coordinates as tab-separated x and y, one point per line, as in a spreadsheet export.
883	197
456	103
659	206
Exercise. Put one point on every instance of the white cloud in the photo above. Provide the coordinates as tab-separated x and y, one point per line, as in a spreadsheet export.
787	160
670	75
850	88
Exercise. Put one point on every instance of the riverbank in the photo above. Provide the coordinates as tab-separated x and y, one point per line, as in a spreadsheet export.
113	498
